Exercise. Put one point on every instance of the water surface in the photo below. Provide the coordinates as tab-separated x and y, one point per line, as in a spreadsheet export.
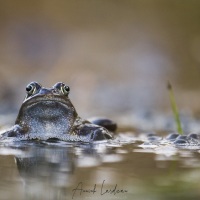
122	169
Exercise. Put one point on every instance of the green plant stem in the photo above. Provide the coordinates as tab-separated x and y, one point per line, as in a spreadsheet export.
174	109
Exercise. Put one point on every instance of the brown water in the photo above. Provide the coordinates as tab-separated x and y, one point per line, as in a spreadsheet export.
121	169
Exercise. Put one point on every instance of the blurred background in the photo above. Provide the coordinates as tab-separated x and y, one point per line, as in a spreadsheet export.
116	56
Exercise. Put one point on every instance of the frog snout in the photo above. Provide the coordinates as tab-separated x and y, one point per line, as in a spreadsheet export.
45	91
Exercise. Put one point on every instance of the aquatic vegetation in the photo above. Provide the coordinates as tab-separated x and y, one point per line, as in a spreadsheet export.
174	108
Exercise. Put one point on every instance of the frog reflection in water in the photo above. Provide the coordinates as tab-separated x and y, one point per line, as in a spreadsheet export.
48	113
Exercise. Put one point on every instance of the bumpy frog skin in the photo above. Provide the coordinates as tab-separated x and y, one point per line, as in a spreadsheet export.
48	113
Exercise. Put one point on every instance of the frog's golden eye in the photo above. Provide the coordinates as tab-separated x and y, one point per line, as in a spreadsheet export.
32	88
65	89
62	88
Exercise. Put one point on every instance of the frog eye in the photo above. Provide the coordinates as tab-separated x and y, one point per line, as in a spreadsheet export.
65	89
62	88
29	89
32	87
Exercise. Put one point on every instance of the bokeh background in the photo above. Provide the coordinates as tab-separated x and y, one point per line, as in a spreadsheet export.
116	56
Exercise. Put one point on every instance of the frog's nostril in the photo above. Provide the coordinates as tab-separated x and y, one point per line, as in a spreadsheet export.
54	91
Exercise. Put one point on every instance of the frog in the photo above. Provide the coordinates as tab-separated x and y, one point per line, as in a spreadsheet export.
48	114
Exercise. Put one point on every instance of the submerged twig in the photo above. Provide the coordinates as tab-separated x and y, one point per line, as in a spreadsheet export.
174	109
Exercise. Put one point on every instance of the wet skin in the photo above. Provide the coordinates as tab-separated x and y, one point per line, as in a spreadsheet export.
48	113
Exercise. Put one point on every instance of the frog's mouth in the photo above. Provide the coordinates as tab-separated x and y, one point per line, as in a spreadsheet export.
46	108
48	99
52	105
